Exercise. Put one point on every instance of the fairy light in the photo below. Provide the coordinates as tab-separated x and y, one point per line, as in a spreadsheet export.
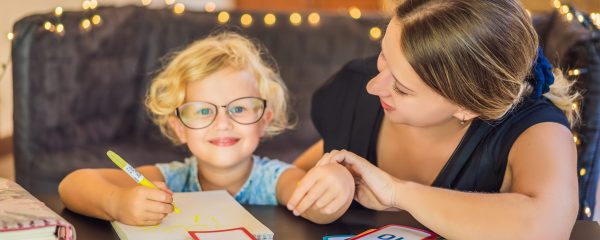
574	72
575	106
58	11
223	17
354	12
10	36
375	33
557	4
576	139
96	19
146	2
564	9
314	19
246	20
587	211
48	25
60	28
93	4
270	19
580	17
179	8
582	172
85	5
86	24
570	17
296	19
210	7
169	2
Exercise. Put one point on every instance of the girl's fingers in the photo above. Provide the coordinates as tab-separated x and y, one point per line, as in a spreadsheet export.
158	207
334	205
324	160
325	199
310	198
162	186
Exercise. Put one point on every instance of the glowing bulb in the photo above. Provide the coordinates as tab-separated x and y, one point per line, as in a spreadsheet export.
564	9
169	2
60	28
557	4
85	5
375	33
355	12
146	2
314	19
48	25
296	19
570	17
96	19
587	211
246	20
223	17
270	19
210	7
86	23
10	36
574	72
580	17
575	106
93	4
582	172
576	139
179	8
58	11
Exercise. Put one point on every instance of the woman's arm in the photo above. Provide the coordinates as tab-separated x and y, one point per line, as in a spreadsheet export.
331	194
542	203
310	157
99	192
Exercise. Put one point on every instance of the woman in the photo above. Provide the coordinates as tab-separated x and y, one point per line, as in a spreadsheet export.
462	129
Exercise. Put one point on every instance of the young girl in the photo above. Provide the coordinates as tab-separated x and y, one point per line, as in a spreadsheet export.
219	98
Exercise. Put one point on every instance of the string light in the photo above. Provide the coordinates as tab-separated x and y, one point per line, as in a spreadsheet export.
564	9
557	4
86	24
587	211
576	139
169	2
314	19
354	12
48	25
575	106
210	7
93	4
58	11
96	19
296	19
246	20
574	72
582	172
375	33
270	19
85	5
146	2
223	17
179	8
569	17
580	17
60	28
10	36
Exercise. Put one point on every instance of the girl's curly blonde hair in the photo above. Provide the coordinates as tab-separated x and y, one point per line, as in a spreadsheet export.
205	57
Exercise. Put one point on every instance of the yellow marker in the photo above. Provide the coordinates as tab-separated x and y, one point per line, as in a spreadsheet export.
137	177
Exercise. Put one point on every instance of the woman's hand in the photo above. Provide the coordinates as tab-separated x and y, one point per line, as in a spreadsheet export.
375	189
327	188
142	206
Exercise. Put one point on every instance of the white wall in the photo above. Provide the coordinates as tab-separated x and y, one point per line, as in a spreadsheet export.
12	11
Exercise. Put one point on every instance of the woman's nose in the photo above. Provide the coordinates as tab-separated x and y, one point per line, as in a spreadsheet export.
379	85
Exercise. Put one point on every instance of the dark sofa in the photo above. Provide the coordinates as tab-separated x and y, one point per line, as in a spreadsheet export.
80	94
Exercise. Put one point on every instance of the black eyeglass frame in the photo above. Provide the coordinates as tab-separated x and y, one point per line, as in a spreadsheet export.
226	107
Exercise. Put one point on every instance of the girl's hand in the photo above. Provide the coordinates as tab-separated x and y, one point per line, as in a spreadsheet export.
142	206
327	188
376	189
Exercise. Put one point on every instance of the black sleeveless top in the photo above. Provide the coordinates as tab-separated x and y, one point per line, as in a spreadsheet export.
347	117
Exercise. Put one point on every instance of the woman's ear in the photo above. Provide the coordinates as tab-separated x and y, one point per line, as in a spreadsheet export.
178	128
465	115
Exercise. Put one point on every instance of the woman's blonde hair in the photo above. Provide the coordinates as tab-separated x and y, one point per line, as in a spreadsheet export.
477	53
205	57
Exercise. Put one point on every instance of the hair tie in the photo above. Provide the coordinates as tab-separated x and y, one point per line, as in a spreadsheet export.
542	75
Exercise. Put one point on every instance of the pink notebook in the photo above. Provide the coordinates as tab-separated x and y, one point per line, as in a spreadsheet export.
22	216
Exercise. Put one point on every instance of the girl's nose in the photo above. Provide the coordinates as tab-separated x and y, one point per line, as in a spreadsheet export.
222	120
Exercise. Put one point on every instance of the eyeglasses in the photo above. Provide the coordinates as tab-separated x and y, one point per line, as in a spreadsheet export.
198	115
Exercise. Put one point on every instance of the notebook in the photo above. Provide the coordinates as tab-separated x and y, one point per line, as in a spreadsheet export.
22	216
200	211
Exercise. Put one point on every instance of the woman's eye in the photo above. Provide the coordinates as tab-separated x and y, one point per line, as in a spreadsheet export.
398	91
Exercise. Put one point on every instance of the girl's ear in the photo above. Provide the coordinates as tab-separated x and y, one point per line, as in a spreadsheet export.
267	118
178	128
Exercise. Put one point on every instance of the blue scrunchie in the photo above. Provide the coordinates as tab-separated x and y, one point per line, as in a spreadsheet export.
542	75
